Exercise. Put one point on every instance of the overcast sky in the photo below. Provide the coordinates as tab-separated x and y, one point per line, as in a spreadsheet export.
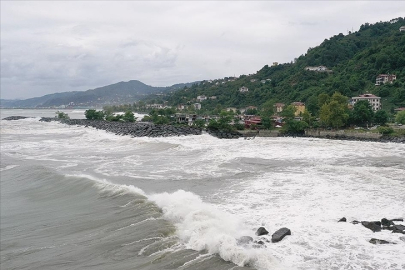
58	46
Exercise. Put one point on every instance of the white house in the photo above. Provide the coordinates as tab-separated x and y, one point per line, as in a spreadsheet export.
155	106
243	89
318	68
197	106
201	98
385	78
374	101
402	29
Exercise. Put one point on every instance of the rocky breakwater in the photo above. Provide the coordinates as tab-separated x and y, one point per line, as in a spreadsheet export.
14	118
134	129
224	134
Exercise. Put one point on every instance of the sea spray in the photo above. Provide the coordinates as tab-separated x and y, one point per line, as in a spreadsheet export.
202	226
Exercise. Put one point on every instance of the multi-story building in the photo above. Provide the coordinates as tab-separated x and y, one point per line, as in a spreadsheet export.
374	101
243	89
385	78
299	108
279	107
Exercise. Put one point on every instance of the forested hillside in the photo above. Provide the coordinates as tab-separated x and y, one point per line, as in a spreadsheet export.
353	62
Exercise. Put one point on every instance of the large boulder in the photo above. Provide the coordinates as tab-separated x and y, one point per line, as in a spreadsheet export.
386	223
398	229
343	219
261	231
379	241
280	234
375	226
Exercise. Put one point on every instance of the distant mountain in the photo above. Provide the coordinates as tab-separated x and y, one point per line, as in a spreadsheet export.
118	93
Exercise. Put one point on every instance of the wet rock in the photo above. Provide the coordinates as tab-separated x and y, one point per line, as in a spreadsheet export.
398	229
387	223
375	226
261	231
133	129
280	234
355	222
397	219
379	241
14	118
343	219
244	240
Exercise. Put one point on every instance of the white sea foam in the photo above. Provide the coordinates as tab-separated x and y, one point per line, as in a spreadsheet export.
8	167
300	183
203	227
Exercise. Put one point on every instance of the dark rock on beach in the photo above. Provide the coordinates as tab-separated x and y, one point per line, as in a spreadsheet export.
280	234
375	226
379	241
222	134
343	219
397	219
261	231
387	223
398	229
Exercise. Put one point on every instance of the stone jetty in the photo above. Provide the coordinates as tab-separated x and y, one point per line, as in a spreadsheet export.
134	129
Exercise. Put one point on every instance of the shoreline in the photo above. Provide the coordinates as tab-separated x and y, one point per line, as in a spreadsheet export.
145	129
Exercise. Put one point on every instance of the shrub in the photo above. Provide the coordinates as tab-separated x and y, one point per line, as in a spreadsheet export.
385	130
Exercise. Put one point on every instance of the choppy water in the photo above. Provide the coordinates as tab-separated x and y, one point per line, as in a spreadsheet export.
76	198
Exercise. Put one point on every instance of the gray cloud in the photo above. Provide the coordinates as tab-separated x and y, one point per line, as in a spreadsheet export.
57	46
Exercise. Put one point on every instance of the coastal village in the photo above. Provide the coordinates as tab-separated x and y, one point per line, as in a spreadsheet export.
251	120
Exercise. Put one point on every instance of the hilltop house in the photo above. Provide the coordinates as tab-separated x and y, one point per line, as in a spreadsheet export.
299	108
279	107
154	106
197	106
374	101
181	107
318	68
243	89
201	98
231	109
402	29
385	78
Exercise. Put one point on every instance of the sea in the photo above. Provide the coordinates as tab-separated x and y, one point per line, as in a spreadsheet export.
73	197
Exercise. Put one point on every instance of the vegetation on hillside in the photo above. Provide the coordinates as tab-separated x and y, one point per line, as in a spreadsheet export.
354	61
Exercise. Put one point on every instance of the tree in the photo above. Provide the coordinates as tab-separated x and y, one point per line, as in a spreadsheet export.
62	115
362	113
295	127
307	117
400	118
94	115
381	117
333	114
288	112
323	98
129	116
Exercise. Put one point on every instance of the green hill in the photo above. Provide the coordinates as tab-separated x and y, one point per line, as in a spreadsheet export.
353	60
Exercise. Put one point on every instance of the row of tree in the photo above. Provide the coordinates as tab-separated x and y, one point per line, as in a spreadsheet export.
91	114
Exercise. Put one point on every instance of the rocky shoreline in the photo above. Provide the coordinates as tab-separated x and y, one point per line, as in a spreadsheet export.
146	129
342	137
